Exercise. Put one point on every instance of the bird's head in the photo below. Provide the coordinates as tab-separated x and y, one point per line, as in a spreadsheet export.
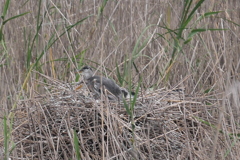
87	72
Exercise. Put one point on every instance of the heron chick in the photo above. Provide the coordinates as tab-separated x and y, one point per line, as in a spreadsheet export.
97	83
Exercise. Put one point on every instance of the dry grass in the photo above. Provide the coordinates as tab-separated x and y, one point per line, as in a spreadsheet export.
167	126
43	109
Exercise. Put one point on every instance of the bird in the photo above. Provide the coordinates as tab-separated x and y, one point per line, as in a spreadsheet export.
98	85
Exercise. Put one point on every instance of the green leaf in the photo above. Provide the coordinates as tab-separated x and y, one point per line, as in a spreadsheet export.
211	13
194	9
208	90
196	31
6	137
137	48
232	22
101	8
76	145
135	96
4	22
12	148
52	40
208	14
78	22
127	108
5	9
120	79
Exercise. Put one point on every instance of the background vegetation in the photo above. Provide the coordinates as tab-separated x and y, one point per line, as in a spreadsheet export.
191	44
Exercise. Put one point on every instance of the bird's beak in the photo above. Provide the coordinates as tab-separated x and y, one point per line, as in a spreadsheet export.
80	70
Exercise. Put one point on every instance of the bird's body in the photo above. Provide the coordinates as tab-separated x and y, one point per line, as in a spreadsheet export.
98	84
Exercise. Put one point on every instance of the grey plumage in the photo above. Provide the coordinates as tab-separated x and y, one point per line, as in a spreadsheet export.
100	82
97	84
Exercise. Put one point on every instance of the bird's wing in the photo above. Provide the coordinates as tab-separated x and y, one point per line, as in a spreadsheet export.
109	84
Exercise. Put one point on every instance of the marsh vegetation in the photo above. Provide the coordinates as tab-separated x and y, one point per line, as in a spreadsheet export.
180	56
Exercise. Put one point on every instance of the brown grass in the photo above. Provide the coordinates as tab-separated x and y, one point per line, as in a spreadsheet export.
167	126
201	122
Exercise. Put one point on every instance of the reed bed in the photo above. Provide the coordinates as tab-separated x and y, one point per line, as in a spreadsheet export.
180	57
168	124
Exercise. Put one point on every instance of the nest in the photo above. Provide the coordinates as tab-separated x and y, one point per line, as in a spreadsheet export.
165	125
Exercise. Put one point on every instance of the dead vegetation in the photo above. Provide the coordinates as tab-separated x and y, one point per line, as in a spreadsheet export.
168	125
130	42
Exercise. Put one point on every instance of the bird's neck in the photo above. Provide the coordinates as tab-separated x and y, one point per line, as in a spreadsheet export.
87	75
